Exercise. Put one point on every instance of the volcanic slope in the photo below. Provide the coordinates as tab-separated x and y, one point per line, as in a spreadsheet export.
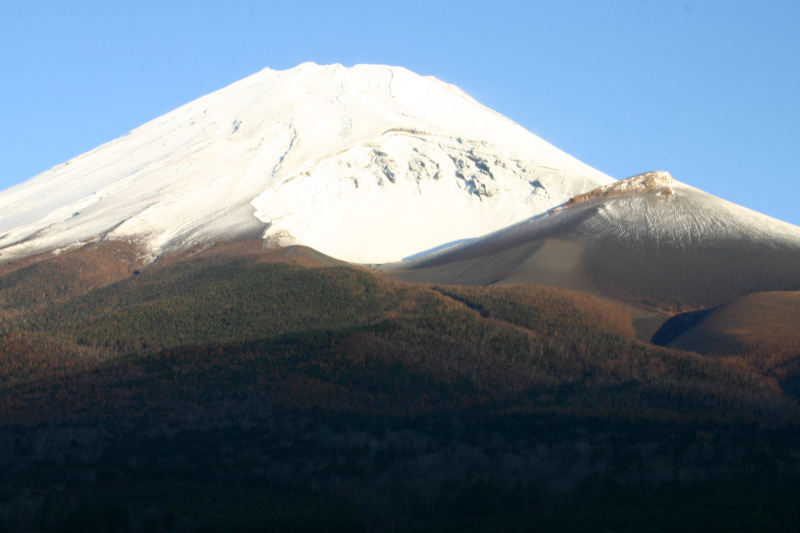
649	240
761	327
366	164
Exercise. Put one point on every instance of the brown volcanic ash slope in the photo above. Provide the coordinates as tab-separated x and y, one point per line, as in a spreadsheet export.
649	239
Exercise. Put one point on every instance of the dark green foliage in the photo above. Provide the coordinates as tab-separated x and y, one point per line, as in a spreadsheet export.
216	331
41	283
191	303
255	396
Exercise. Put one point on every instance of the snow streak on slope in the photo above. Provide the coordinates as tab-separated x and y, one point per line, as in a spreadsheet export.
655	208
648	239
367	164
650	209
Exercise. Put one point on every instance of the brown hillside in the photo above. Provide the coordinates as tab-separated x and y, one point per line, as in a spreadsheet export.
761	327
51	279
339	338
243	375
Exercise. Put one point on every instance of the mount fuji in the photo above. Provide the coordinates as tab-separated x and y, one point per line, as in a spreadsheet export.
378	165
367	164
164	343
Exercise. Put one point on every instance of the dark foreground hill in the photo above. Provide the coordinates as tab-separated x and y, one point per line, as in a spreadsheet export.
235	388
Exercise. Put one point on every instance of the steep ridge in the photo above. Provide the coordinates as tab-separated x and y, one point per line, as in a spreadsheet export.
649	239
366	164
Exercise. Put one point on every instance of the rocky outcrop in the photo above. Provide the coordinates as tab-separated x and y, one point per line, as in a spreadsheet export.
649	181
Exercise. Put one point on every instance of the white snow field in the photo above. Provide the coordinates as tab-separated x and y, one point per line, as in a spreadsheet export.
367	164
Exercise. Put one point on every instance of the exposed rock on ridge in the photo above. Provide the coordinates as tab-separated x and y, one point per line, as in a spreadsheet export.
648	181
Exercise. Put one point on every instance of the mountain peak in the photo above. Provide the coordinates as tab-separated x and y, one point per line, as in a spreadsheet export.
367	164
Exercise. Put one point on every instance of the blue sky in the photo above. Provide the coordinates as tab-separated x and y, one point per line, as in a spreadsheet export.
707	90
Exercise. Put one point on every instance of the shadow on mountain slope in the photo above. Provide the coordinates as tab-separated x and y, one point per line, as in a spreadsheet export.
240	388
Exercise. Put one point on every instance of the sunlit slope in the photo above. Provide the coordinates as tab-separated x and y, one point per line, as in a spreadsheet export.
761	327
366	164
650	240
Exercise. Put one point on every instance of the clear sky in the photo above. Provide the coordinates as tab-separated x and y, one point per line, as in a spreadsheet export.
709	90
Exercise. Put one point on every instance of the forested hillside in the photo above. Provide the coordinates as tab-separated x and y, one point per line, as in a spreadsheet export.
278	390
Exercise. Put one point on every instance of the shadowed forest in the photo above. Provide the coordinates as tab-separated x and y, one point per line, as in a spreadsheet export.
236	389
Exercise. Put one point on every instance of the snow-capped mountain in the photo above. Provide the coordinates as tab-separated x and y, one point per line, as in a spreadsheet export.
650	239
367	164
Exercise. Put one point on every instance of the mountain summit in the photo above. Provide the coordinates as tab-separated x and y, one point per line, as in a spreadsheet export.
367	164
